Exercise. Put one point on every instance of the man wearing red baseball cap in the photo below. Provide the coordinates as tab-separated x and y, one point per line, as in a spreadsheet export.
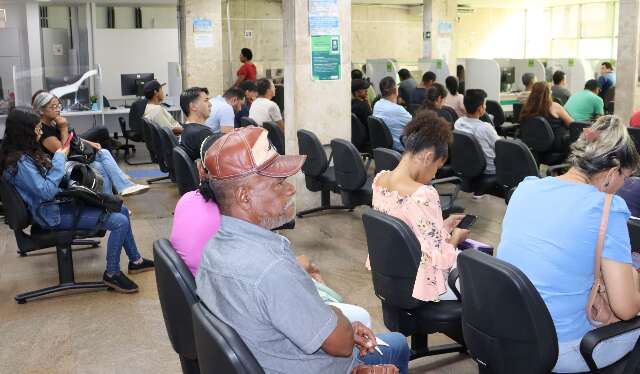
249	277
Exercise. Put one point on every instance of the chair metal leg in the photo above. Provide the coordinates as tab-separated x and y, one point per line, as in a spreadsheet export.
420	347
189	366
325	204
65	276
158	179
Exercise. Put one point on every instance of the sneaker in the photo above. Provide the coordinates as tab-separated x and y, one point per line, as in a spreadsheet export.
120	283
135	189
145	265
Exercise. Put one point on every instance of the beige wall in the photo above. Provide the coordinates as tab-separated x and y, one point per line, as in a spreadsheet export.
490	33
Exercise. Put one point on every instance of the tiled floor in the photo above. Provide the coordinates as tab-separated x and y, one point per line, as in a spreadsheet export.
106	332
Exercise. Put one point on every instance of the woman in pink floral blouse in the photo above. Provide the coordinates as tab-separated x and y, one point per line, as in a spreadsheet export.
405	194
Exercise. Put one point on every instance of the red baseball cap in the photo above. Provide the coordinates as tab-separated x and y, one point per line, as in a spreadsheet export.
247	151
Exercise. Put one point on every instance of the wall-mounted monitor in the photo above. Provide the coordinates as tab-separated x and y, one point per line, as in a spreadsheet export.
133	84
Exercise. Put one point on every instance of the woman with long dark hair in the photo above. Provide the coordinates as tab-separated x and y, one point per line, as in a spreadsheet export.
37	177
454	99
540	104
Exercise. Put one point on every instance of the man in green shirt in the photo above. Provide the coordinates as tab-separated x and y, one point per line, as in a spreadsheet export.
586	105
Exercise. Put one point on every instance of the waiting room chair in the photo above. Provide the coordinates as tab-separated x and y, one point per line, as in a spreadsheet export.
446	115
538	136
388	159
508	328
379	134
514	162
469	163
155	134
220	348
635	135
246	121
147	135
318	175
517	108
19	218
187	177
136	130
177	293
394	255
452	113
499	121
127	135
609	100
275	135
360	136
351	175
169	141
575	130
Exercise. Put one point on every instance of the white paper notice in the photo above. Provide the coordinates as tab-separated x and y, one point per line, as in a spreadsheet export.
203	40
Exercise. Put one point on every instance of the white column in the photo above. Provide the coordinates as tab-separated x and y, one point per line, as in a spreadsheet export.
321	106
627	64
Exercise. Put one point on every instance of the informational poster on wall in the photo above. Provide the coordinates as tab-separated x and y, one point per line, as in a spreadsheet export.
325	57
323	17
202	32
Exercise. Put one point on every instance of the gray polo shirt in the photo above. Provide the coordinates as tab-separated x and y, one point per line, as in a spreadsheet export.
250	279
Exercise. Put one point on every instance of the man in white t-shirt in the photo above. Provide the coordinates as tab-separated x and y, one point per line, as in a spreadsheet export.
263	109
223	110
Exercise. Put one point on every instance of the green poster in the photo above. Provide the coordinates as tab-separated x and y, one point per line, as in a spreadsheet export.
325	57
571	62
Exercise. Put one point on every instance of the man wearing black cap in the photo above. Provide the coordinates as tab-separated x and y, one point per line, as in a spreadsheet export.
156	112
359	101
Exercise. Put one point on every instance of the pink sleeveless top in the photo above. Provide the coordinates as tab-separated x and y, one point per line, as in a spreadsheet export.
422	213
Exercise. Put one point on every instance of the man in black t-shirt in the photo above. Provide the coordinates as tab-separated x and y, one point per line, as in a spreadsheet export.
359	101
196	106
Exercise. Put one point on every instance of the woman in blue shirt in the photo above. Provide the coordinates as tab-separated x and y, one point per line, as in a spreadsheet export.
36	177
550	232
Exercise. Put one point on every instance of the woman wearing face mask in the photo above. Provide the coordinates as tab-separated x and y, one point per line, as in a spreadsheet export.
405	194
550	232
55	132
36	177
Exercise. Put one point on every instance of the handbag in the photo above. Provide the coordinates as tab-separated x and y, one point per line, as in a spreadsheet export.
81	174
598	308
79	151
78	193
375	369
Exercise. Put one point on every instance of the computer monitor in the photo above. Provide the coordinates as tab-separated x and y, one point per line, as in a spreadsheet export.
133	84
81	96
507	78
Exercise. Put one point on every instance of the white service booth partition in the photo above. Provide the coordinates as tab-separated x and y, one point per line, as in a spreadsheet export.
577	71
482	74
438	66
522	66
380	68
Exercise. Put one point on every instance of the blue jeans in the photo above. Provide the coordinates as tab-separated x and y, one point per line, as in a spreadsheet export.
397	353
111	173
604	354
117	223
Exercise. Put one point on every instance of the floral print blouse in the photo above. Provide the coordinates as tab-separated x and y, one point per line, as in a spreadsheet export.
421	211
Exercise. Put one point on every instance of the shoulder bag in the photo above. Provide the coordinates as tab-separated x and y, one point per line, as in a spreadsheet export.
598	308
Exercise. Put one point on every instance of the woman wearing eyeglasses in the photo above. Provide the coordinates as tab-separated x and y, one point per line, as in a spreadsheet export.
55	132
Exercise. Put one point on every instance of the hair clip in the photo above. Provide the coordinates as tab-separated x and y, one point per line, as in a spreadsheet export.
590	134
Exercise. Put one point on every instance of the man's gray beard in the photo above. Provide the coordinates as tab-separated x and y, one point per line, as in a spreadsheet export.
271	223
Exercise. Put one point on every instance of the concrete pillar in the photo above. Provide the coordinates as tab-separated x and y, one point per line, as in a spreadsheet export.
626	100
201	52
438	43
321	106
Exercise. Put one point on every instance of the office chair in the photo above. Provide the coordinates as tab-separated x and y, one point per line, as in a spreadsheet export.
388	159
169	141
187	177
155	133
468	161
136	130
276	136
537	134
499	121
360	136
508	328
19	218
452	113
609	100
575	130
246	121
177	293
446	115
318	175
514	162
127	135
517	108
220	348
394	255
351	175
379	134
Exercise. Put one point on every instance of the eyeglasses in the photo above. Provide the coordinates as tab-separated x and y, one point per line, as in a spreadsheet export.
59	106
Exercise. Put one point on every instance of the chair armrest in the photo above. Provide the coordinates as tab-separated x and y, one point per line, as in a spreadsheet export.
596	336
454	180
554	170
453	277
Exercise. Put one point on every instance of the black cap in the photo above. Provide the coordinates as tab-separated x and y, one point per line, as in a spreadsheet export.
152	86
359	84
